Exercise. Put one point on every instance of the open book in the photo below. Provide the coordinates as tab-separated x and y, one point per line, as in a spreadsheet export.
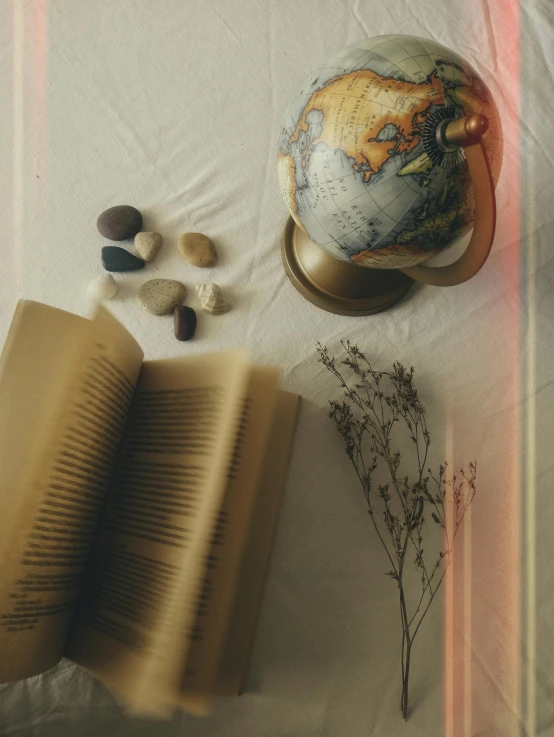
138	501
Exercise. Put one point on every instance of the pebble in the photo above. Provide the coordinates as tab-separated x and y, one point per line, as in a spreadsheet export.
161	296
103	287
147	244
211	299
197	249
115	258
184	322
120	222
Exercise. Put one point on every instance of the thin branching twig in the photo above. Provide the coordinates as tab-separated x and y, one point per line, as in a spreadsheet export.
378	406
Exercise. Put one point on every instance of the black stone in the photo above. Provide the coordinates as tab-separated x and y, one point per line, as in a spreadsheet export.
184	321
115	258
119	223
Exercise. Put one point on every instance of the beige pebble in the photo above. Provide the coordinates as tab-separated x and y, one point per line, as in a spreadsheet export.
211	299
147	244
103	287
161	296
197	249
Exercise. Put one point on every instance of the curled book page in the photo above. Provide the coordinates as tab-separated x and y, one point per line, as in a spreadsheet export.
66	386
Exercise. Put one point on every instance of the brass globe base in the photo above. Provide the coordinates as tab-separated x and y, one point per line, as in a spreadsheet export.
338	286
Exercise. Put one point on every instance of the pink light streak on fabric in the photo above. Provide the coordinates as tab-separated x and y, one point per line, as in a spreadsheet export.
18	26
30	121
39	61
482	668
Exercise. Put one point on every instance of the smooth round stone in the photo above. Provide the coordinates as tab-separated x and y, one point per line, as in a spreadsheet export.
161	296
120	222
184	322
115	258
103	287
147	244
198	249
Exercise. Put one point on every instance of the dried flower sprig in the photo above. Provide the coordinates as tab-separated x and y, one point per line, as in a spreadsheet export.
379	405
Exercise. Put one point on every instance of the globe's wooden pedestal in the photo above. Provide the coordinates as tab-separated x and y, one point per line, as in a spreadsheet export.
338	286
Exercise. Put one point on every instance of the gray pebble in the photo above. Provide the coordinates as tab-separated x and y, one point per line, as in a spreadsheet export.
119	223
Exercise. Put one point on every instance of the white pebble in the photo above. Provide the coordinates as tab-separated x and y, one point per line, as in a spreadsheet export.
103	287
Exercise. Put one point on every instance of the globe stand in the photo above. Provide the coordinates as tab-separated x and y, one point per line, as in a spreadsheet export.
338	286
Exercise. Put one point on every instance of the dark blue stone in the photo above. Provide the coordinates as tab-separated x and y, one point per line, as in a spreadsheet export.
118	259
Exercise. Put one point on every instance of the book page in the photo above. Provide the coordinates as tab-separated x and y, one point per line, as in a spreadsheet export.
257	552
137	609
229	537
66	385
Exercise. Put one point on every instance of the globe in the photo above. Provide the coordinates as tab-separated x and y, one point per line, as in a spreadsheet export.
359	165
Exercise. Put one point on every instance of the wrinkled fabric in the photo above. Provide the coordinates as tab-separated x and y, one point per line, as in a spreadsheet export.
175	108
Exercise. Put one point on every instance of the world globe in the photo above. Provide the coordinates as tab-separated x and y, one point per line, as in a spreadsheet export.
359	165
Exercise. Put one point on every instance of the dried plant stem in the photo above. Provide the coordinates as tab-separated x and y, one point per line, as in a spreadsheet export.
366	421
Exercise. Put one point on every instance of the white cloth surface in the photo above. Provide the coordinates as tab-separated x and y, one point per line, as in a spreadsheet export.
175	107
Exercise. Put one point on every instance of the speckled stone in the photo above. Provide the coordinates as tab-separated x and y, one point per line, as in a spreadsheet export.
119	223
197	249
115	258
184	322
148	244
161	296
